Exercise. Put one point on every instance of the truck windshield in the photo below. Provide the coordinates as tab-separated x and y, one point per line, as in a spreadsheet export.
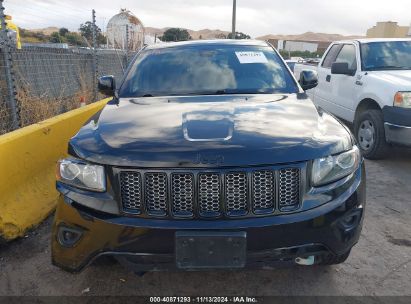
392	55
207	70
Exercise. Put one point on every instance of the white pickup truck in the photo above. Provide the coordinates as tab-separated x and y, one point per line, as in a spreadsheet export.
367	83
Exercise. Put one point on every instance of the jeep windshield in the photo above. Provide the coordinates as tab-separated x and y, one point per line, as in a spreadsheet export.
207	70
392	55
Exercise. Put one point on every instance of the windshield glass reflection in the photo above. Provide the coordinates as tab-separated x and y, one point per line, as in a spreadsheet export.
394	55
207	70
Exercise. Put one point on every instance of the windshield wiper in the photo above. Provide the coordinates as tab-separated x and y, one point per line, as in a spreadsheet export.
218	92
221	92
239	92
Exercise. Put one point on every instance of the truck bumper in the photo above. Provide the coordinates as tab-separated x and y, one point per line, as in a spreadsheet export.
397	125
81	235
400	135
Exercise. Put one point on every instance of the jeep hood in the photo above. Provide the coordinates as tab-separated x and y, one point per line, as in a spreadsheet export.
206	131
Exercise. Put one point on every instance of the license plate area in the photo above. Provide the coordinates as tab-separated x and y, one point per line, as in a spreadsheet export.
208	250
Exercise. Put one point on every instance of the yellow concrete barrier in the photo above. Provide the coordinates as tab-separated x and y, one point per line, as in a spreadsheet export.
27	169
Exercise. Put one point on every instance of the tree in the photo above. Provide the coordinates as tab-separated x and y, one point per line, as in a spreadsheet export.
33	37
74	39
238	35
63	31
56	38
86	31
101	39
176	34
221	36
304	54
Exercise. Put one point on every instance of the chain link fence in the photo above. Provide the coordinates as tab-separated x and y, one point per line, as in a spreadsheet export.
5	109
37	83
51	81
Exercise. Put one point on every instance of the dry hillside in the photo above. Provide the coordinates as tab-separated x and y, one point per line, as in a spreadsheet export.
310	36
46	31
212	34
205	34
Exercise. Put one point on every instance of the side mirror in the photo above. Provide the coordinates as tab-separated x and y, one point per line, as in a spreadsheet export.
107	85
341	68
308	79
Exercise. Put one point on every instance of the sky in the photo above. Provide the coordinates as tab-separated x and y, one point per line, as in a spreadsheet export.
254	17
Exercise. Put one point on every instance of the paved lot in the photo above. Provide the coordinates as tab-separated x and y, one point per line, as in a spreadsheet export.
379	265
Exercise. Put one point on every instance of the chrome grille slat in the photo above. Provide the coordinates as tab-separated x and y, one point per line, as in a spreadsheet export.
156	193
130	184
209	196
236	193
289	188
182	189
263	191
173	193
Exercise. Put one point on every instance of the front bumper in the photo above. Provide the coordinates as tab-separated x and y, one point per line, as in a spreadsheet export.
149	244
397	125
400	135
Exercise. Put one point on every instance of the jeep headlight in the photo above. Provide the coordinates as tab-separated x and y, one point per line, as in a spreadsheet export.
82	175
332	168
402	99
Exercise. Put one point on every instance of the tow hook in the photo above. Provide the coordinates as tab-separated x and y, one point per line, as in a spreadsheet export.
308	261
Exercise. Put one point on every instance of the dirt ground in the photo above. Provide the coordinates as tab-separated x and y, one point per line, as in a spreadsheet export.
379	265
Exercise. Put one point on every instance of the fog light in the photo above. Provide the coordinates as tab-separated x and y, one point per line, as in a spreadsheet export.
351	220
68	237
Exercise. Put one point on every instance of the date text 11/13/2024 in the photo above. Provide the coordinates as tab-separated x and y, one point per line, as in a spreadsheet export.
238	299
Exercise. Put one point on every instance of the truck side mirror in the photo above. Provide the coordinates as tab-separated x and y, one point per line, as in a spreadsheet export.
107	85
341	68
308	79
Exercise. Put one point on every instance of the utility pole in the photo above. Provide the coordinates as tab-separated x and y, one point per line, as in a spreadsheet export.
233	32
95	64
127	43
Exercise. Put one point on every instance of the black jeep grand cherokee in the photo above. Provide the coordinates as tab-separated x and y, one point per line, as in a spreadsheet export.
210	155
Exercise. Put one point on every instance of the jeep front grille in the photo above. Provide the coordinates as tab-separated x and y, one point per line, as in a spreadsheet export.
182	190
179	194
209	194
236	193
130	184
263	191
156	193
289	187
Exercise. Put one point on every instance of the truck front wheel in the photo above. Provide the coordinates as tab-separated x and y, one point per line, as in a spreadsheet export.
370	134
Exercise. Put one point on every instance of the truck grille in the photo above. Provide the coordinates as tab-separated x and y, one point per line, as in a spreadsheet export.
210	194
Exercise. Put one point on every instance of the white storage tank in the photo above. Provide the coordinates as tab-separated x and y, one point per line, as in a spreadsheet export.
117	31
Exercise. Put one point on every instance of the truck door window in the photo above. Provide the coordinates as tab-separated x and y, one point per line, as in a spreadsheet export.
331	55
347	55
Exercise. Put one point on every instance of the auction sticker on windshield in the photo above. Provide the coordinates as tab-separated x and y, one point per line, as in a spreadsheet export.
251	57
